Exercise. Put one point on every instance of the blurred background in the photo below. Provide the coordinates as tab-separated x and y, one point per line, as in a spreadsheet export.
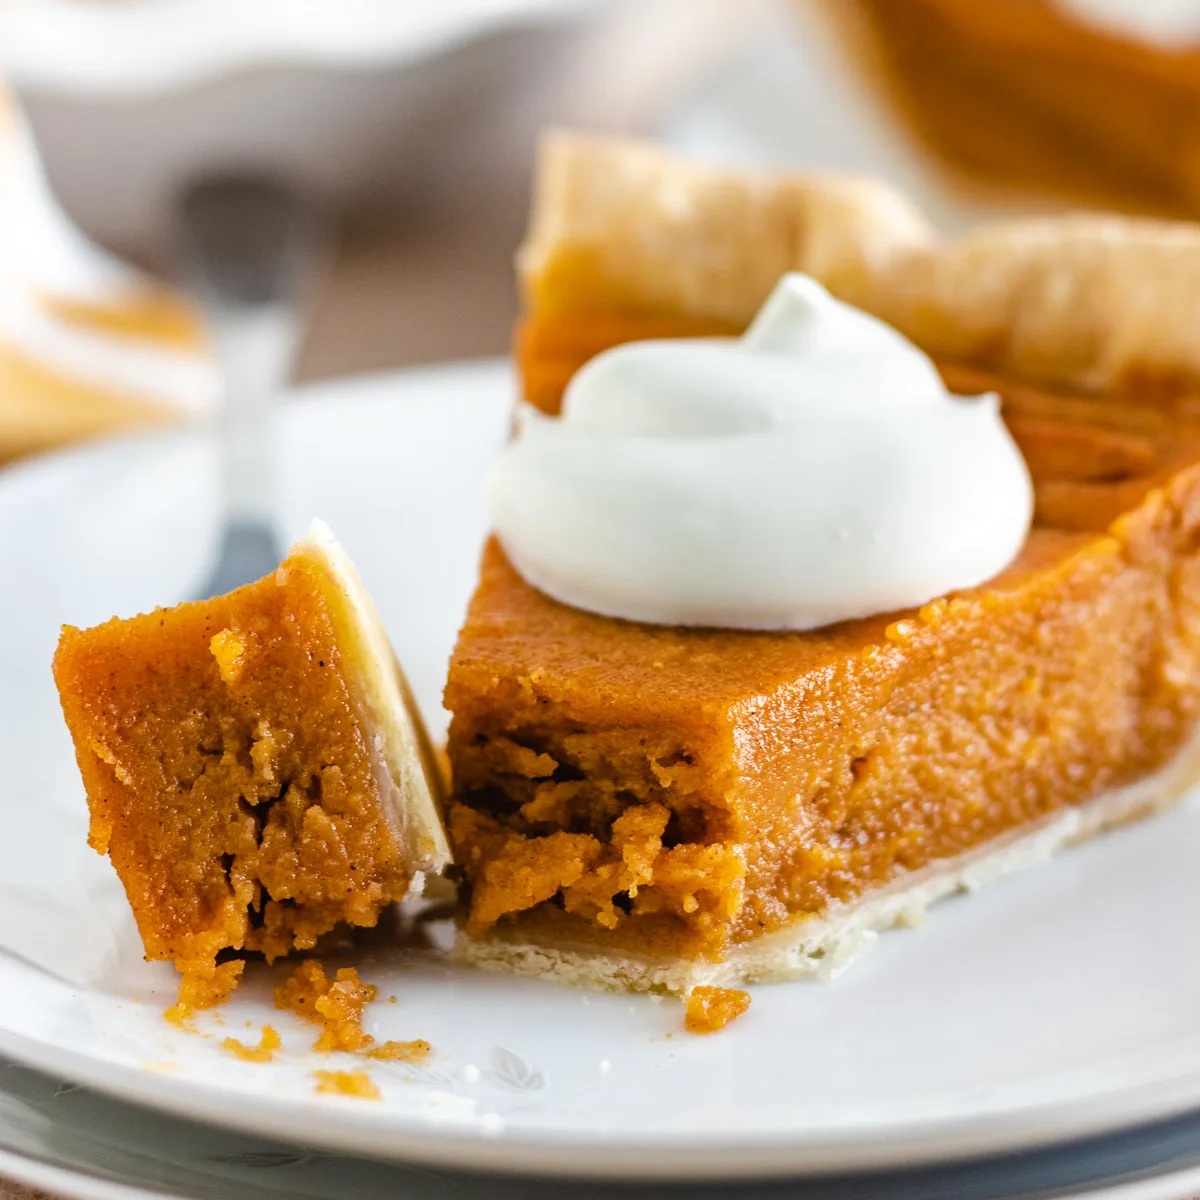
420	127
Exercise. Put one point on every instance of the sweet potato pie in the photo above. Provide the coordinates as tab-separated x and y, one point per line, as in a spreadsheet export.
653	807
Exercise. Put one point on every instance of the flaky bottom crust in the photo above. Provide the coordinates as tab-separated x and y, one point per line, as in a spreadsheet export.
821	947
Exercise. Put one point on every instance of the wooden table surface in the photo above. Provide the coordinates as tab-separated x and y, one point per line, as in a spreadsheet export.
14	1191
428	288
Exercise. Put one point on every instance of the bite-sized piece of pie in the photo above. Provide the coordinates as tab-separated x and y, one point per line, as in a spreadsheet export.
1094	99
255	766
650	806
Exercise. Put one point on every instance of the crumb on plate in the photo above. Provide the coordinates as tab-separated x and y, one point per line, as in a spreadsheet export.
268	1043
205	988
401	1051
347	1083
710	1009
337	1004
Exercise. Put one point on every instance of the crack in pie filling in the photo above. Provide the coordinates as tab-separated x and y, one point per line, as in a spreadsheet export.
655	806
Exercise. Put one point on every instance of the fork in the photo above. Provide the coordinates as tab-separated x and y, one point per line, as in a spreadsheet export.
248	246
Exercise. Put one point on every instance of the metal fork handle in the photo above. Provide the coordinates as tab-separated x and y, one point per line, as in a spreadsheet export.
248	244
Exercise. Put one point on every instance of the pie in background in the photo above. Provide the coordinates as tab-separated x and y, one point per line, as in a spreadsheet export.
1041	94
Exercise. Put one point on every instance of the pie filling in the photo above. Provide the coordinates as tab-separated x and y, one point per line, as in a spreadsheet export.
611	828
230	773
679	792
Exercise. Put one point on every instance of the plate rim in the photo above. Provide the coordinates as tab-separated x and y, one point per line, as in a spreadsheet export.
680	1157
80	1183
67	1184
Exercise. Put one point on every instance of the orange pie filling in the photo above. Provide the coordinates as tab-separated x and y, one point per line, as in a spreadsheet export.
679	792
228	764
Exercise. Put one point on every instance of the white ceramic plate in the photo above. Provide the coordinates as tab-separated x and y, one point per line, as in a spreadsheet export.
1061	1003
80	1144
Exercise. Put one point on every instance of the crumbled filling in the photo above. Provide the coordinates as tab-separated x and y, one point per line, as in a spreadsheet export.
710	1009
337	1005
579	782
632	873
408	1052
206	986
268	1043
347	1083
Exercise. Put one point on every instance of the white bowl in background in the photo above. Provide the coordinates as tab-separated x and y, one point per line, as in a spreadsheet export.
367	102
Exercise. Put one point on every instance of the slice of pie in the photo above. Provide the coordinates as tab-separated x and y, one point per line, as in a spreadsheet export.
645	806
1099	101
255	766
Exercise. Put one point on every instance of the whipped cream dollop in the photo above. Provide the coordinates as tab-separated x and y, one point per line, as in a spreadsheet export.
813	471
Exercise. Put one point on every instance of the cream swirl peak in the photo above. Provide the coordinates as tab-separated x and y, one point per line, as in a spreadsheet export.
813	471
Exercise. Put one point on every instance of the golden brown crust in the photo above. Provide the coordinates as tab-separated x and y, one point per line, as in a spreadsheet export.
623	224
1081	301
